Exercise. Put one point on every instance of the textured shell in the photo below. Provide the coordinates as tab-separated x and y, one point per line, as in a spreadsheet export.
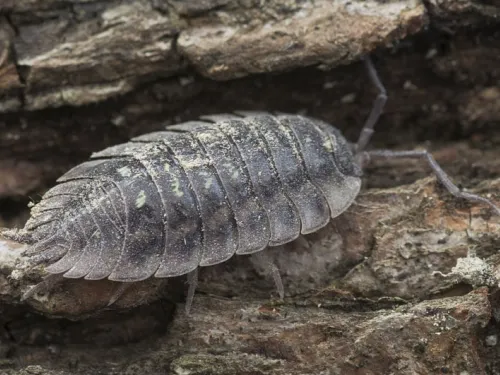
194	195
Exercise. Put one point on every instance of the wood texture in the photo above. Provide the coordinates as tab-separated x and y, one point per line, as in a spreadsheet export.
406	281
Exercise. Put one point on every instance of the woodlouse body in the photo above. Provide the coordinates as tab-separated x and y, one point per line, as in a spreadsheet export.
194	195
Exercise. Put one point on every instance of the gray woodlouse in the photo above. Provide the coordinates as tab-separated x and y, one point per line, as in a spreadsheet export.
194	195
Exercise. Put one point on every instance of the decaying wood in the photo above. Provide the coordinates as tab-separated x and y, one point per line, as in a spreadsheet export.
406	281
370	291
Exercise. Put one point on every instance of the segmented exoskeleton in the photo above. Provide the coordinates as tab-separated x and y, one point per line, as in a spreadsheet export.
197	193
194	195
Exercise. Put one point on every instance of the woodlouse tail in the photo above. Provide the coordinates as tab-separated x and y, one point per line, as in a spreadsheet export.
17	235
47	251
47	284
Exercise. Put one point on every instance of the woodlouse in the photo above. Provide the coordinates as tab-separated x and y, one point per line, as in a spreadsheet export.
194	195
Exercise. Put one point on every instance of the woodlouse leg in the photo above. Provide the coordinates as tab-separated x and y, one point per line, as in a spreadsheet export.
122	287
377	108
440	173
302	241
44	286
271	268
275	273
192	279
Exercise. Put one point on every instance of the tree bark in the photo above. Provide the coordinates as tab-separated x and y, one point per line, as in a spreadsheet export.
406	281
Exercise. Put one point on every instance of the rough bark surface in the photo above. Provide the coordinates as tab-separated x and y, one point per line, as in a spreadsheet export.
406	281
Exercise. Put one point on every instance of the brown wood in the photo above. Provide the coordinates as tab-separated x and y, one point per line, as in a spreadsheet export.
404	282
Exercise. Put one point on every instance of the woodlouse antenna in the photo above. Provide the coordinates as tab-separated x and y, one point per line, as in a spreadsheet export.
367	132
377	108
441	175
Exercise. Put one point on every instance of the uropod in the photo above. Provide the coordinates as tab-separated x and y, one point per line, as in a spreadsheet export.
197	193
